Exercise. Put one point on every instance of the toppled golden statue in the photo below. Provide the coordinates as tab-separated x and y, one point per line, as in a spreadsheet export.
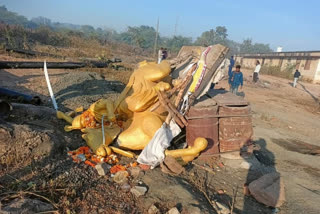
132	117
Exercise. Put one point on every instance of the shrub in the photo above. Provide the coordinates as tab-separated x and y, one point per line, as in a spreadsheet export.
276	71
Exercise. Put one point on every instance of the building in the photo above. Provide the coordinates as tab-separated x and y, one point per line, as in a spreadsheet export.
307	62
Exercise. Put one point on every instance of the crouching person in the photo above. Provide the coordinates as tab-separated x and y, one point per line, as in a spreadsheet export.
235	80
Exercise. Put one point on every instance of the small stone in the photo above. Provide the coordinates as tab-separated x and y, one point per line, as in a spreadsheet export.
144	167
194	210
125	187
121	177
153	210
275	210
173	165
26	205
139	190
134	171
269	189
173	211
231	155
102	169
245	165
221	191
223	208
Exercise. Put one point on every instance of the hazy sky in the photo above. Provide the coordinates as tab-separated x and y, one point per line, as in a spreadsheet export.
293	24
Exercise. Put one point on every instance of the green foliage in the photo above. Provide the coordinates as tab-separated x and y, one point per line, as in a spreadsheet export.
12	18
247	47
206	38
46	36
217	36
175	43
234	46
220	36
142	36
276	71
41	21
58	34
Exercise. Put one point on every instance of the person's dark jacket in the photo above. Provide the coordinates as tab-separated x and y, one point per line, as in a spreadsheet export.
296	74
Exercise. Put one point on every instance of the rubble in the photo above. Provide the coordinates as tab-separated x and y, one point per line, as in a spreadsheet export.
246	191
125	187
153	210
25	205
231	155
155	95
172	166
144	167
134	171
102	168
223	209
245	165
101	127
173	211
139	190
121	177
268	189
193	210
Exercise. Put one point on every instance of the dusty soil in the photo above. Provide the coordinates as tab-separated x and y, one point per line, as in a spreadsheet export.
286	125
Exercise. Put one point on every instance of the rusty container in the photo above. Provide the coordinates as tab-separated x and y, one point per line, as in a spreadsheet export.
203	122
235	127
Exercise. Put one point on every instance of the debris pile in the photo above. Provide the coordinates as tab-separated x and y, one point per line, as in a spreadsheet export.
85	154
151	109
161	105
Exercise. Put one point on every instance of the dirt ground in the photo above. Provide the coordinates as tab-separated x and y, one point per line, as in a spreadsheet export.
286	127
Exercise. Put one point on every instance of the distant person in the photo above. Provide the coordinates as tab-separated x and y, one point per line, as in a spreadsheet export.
296	76
230	68
256	72
236	79
164	54
160	55
231	65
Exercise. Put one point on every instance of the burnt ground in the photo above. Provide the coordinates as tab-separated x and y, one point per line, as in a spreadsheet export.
34	147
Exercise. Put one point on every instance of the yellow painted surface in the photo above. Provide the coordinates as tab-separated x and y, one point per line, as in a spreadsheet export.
132	106
189	153
93	136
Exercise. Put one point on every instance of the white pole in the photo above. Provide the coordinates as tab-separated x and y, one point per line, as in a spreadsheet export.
102	129
55	106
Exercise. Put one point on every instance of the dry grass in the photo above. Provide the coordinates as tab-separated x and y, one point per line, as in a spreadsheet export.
276	71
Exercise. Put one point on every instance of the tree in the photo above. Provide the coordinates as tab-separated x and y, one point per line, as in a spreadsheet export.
234	47
175	43
12	18
142	36
261	48
41	21
88	30
206	38
247	47
222	32
212	37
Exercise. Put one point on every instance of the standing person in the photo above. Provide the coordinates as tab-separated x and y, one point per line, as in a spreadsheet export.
256	72
231	65
164	54
296	76
230	69
236	79
160	55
